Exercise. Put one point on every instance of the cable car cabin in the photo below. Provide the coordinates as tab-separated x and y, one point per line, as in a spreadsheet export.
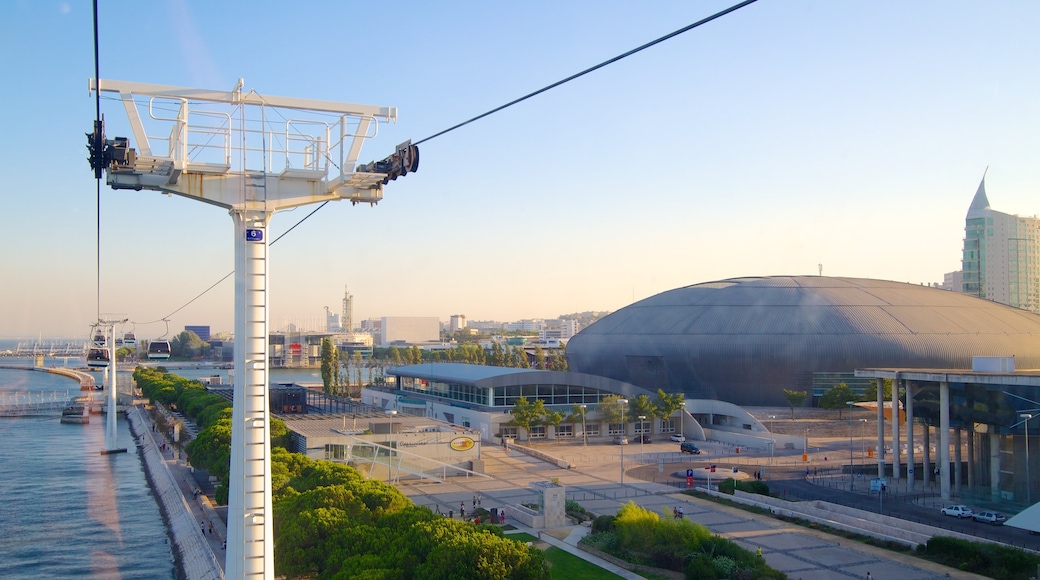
100	340
97	357
159	350
129	339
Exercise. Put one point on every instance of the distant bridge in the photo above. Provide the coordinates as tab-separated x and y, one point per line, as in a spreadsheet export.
35	403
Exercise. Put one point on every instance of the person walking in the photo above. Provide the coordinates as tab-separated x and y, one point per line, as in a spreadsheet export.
869	577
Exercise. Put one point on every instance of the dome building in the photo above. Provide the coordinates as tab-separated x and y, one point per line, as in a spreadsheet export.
745	340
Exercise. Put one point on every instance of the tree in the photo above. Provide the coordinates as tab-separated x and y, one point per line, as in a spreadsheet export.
794	399
552	417
539	357
667	404
611	408
870	393
329	367
526	413
837	397
642	405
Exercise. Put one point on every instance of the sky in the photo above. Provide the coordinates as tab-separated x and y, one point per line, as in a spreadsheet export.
783	136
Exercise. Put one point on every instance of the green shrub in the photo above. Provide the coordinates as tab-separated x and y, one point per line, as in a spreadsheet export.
727	485
991	560
603	524
701	567
724	566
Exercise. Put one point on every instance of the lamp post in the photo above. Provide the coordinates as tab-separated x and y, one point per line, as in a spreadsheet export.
392	413
584	431
1027	417
772	440
641	457
624	439
852	474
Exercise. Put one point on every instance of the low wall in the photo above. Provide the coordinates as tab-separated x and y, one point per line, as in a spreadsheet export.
192	553
527	516
561	463
848	519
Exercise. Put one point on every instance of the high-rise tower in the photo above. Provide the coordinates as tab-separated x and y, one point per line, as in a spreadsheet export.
1001	255
348	311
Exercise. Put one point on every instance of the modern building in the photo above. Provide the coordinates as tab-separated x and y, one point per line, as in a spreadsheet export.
481	397
745	340
201	331
347	318
1001	255
456	323
408	330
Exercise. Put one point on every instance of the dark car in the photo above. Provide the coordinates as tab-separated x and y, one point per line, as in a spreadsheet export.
644	439
690	448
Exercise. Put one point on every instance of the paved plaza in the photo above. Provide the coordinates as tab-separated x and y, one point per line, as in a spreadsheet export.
595	483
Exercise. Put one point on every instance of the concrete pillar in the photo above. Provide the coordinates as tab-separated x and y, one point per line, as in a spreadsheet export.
881	427
896	467
910	455
943	451
926	469
994	463
972	463
957	461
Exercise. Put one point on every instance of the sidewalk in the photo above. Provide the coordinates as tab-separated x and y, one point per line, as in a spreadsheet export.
201	507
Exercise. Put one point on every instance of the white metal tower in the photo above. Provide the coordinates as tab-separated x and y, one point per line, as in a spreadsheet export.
239	151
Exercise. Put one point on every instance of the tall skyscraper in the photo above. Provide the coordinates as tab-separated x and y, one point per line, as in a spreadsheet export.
1001	256
347	318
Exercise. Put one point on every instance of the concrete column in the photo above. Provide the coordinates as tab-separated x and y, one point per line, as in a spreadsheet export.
896	467
972	463
957	461
926	469
994	463
910	455
881	426
944	440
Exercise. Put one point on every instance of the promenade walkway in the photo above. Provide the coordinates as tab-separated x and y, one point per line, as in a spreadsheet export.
197	531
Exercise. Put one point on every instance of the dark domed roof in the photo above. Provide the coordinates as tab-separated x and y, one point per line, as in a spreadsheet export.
744	340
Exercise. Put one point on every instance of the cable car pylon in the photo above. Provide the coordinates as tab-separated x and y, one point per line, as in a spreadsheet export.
212	157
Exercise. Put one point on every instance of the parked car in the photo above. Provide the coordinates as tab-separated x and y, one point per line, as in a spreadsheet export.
645	439
994	518
678	438
619	440
690	448
960	511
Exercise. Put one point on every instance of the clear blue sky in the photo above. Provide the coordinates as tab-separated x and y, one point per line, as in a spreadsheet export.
788	134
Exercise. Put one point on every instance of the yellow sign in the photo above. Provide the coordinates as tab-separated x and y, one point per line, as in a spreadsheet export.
462	444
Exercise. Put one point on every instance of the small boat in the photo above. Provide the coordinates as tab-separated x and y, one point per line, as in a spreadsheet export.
75	413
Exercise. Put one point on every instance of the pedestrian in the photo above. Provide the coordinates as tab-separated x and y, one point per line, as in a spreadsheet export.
502	514
675	513
474	502
462	510
211	529
224	545
478	499
681	514
451	514
869	577
202	526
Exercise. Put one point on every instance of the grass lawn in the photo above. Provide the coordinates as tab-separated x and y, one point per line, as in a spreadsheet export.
566	566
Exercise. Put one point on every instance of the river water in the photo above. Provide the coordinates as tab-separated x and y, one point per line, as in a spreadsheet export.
68	511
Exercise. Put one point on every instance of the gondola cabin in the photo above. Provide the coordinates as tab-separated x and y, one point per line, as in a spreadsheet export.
97	357
159	350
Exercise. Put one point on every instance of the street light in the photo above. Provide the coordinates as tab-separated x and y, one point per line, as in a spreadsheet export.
1027	417
641	419
852	474
772	440
584	431
392	413
624	440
